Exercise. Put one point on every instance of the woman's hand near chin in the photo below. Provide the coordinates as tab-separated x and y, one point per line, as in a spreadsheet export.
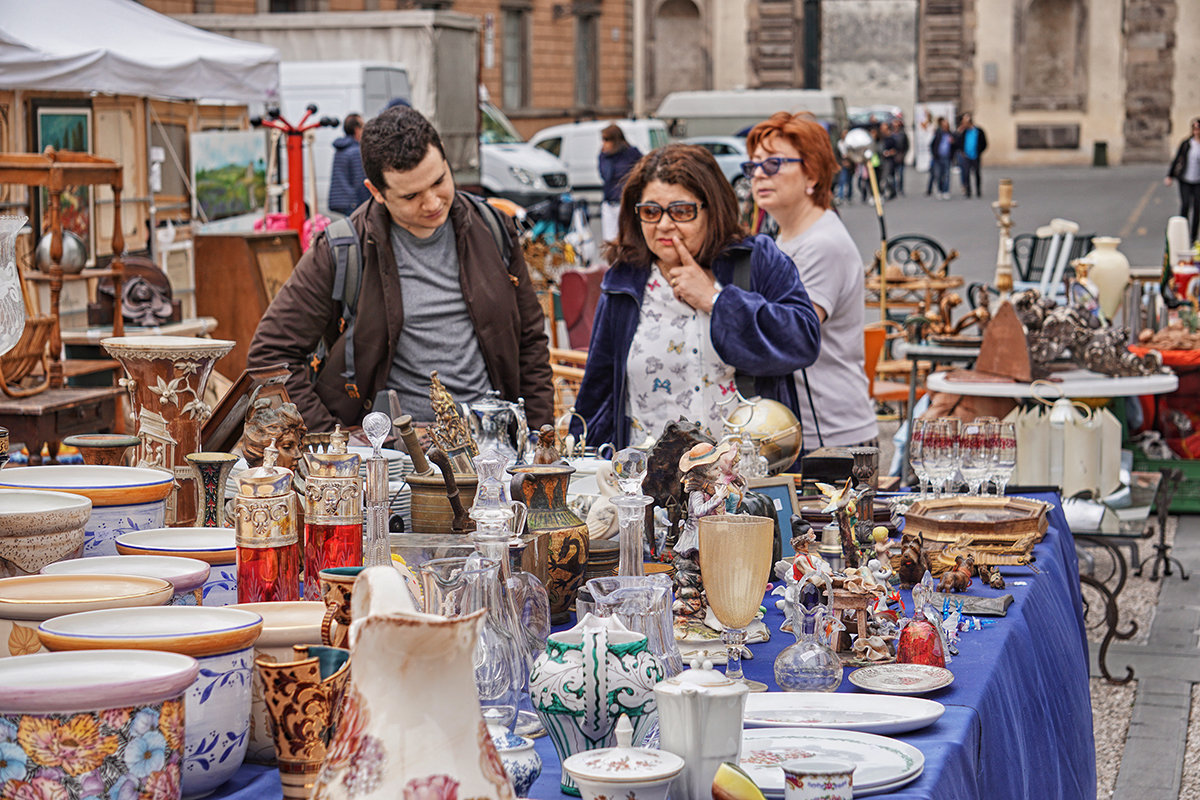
690	282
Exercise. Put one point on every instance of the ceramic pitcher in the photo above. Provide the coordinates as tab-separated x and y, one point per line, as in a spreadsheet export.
543	488
410	724
588	677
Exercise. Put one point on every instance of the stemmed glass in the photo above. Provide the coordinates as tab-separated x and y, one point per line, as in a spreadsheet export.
975	455
950	431
938	444
916	456
735	564
1004	453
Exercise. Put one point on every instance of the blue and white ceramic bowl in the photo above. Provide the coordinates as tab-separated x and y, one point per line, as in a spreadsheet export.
187	575
217	705
216	546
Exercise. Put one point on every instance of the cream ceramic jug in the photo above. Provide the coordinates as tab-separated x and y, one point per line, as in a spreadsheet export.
588	677
410	725
700	719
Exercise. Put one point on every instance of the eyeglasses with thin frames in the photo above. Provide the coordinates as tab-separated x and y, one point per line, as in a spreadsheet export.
679	211
770	166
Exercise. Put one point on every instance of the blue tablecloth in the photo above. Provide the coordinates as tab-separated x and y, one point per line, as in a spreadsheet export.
1018	721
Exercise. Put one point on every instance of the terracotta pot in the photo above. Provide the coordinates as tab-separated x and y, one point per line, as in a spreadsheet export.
107	449
543	488
166	379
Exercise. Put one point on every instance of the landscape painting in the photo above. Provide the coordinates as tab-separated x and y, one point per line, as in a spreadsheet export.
229	173
68	129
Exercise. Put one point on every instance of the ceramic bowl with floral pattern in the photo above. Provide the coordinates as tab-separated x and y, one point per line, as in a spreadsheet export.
216	546
217	703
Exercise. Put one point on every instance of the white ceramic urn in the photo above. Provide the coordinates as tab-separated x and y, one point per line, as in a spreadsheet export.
1109	272
700	719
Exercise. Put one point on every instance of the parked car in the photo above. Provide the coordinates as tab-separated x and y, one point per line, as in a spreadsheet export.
735	112
870	117
578	145
729	151
513	169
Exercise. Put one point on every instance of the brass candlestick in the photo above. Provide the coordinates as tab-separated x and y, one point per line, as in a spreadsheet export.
1003	209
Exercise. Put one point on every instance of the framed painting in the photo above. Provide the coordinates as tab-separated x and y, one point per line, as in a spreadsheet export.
781	490
68	128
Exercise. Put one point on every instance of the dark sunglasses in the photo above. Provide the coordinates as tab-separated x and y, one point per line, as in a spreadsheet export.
679	211
770	166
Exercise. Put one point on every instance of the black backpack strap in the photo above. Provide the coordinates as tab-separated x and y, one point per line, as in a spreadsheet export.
347	277
741	279
494	219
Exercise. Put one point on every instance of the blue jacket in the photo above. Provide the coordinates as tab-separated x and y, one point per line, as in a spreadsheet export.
346	190
768	332
614	168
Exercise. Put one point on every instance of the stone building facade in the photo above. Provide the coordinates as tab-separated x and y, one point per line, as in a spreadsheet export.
543	61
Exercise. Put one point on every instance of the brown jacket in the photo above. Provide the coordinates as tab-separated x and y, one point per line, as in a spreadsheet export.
501	301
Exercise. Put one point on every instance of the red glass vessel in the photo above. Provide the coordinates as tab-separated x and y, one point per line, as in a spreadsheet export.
268	574
268	545
328	546
333	512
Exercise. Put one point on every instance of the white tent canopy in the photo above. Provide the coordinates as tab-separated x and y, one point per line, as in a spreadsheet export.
120	47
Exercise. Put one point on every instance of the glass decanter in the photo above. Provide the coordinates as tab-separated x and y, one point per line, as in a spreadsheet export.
376	552
809	665
629	467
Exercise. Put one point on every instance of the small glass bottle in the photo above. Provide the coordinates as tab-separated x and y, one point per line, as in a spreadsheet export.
333	512
629	467
376	551
809	665
268	546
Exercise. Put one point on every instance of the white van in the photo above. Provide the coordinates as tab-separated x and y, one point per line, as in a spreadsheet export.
511	168
578	145
733	113
338	88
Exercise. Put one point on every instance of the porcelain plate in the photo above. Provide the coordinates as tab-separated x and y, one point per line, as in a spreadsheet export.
879	762
847	712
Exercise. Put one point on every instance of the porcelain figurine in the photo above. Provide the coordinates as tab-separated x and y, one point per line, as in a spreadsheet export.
700	720
709	486
410	726
913	561
589	676
991	576
268	421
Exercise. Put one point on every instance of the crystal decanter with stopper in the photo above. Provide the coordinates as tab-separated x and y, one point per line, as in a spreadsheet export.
629	467
809	665
377	426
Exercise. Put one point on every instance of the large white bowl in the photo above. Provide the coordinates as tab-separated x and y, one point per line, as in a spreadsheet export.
285	623
187	575
38	528
123	498
218	702
217	546
108	723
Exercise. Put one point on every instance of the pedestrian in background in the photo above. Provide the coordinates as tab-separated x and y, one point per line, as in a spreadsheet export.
347	182
617	157
941	152
887	153
972	141
900	147
1185	168
844	192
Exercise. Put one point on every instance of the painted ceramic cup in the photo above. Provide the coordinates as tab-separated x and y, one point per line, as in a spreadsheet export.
123	498
285	624
303	697
108	724
217	705
186	575
38	528
818	779
216	546
29	599
337	588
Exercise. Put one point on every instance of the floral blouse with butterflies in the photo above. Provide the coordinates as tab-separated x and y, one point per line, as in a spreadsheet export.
673	369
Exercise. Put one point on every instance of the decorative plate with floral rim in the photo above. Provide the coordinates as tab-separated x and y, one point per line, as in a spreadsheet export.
879	761
901	678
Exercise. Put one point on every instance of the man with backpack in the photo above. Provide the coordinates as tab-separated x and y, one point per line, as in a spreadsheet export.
421	278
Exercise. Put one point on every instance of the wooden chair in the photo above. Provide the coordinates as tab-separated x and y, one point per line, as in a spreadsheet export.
890	368
892	392
566	368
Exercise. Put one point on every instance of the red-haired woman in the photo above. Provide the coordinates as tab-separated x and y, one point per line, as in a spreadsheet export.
673	325
791	174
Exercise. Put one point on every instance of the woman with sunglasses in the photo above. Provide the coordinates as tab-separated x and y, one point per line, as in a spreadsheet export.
673	330
791	176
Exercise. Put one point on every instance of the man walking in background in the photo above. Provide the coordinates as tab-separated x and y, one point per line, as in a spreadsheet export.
972	141
347	190
617	157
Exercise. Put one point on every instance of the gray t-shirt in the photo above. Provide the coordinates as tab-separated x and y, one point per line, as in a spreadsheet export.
438	332
832	272
1191	170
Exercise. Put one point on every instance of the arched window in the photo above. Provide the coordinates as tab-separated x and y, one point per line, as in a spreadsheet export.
681	60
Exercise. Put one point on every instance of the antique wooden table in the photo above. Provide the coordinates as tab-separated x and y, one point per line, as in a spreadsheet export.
49	417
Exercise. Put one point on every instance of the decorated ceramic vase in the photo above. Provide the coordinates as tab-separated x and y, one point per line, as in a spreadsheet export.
411	725
39	528
588	677
186	575
543	488
215	546
1109	273
123	499
217	704
521	762
104	724
165	378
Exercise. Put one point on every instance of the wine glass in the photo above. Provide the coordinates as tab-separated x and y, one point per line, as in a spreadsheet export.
1004	453
975	455
937	453
950	431
916	455
735	564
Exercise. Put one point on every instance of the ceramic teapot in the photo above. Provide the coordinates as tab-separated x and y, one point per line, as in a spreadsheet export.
411	725
700	720
588	677
499	425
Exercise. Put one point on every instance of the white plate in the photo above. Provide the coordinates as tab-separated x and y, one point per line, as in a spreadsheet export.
879	761
901	678
887	787
846	712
